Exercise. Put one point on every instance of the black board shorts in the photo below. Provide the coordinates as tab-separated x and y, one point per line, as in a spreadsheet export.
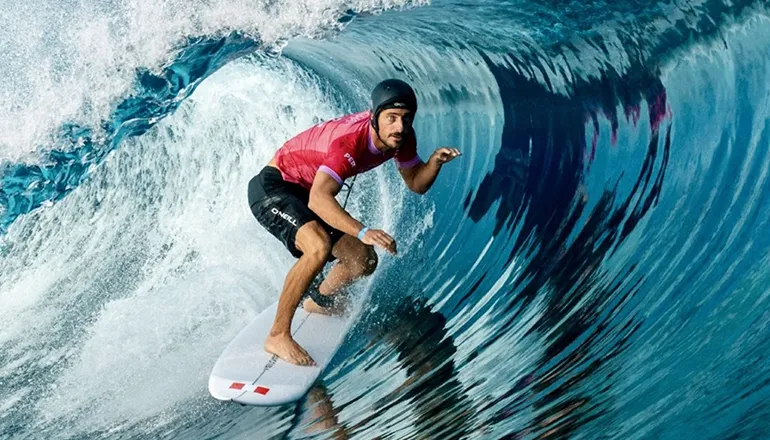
281	207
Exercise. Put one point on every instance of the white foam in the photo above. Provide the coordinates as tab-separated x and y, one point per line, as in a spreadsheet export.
139	278
65	61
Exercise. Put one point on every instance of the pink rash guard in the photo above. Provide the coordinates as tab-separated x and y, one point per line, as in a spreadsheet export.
340	148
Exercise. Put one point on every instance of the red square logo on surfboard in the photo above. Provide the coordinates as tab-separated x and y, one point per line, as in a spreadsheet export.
261	390
237	386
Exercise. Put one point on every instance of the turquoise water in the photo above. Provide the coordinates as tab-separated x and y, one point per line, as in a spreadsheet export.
593	266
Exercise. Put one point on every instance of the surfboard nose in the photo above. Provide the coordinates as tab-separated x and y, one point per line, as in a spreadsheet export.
245	373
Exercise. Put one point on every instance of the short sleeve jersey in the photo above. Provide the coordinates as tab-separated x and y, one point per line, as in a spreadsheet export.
341	148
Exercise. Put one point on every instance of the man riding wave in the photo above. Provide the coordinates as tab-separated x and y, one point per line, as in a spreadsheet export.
294	198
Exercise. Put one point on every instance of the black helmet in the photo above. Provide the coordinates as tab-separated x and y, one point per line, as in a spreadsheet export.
392	93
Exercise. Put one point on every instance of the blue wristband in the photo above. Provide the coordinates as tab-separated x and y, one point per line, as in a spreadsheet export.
362	232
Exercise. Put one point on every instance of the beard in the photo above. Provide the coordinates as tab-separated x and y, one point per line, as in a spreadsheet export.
395	142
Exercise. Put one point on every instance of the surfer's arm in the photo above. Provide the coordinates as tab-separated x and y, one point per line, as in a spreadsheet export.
420	177
323	202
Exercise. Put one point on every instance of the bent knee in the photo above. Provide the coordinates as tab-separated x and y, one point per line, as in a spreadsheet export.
320	247
370	262
314	241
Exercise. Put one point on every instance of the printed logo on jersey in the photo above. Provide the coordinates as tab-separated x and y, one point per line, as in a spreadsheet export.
350	159
284	216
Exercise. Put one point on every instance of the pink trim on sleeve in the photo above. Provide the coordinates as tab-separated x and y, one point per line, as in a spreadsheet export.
408	164
331	172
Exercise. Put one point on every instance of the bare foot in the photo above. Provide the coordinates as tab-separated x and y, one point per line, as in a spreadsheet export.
310	306
286	348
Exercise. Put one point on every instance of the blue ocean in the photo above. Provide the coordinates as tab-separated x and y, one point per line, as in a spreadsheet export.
596	265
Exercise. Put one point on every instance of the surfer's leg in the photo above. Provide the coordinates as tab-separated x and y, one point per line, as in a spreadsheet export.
355	260
315	245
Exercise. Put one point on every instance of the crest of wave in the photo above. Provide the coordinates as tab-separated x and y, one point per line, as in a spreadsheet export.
68	61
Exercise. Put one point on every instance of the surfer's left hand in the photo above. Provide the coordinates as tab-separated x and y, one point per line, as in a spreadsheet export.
444	154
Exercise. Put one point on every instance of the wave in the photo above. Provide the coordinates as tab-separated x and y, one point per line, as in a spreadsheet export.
592	266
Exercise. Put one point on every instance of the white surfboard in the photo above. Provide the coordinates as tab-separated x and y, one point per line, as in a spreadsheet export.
246	373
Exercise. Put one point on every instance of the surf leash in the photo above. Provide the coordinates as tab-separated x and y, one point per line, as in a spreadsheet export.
349	189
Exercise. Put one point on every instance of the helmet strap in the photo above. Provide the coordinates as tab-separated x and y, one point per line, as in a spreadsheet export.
376	127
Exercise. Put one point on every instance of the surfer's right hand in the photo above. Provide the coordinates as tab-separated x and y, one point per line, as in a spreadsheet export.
380	238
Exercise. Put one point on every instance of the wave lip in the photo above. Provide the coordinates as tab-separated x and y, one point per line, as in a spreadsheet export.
593	266
113	87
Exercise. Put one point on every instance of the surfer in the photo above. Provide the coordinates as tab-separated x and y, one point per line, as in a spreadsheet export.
293	197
